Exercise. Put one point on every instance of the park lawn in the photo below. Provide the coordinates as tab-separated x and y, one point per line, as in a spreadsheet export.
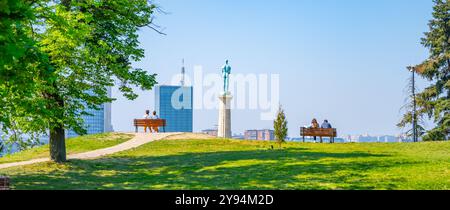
73	146
235	164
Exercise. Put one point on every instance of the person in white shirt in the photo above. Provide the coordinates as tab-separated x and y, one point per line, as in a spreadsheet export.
147	116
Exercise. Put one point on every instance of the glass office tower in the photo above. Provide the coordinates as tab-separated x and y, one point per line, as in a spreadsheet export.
98	122
175	105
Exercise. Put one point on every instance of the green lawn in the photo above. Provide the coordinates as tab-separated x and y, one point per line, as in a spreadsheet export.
73	146
233	164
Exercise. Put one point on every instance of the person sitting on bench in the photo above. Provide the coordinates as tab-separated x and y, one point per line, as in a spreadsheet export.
147	116
314	124
155	117
326	124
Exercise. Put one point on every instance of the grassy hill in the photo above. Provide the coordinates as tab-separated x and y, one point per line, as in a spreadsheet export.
73	146
234	164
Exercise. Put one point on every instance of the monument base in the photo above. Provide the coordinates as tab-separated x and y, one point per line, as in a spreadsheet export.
224	125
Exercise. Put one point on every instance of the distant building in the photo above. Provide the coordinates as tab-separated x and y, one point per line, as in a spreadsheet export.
381	138
388	139
175	105
211	132
265	134
99	121
367	138
339	140
251	134
238	136
296	139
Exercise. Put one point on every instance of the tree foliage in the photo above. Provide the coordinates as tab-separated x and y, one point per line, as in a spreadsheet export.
280	126
81	47
434	101
21	67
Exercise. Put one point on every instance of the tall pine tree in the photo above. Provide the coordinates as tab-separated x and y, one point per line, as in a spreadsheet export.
434	101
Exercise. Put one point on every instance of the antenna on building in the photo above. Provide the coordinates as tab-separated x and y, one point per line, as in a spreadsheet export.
183	71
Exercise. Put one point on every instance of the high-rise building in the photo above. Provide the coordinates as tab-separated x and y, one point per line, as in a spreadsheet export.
99	121
175	105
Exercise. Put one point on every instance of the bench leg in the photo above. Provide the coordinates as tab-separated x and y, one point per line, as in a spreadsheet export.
136	130
303	139
321	140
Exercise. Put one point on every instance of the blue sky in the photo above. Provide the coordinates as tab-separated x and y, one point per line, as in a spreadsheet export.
343	60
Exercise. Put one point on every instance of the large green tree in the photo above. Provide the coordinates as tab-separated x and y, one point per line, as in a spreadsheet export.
21	67
434	101
88	46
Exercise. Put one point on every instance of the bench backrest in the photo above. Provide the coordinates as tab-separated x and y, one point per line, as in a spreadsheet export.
326	132
149	122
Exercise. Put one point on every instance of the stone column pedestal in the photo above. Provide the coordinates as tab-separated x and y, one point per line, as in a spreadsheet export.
224	125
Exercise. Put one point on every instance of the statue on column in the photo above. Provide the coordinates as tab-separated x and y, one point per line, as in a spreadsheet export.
224	122
226	71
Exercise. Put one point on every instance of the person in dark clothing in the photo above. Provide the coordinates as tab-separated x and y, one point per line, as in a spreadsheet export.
326	124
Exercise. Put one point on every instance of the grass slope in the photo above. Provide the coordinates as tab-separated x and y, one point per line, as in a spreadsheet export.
232	164
73	146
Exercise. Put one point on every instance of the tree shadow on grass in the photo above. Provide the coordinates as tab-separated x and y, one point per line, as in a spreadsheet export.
292	168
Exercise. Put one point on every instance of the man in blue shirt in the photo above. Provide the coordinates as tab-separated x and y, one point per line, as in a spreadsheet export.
326	124
155	117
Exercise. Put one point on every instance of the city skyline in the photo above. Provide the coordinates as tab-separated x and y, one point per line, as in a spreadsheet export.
312	45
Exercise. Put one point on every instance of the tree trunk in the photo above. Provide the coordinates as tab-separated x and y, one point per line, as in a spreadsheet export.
57	135
58	144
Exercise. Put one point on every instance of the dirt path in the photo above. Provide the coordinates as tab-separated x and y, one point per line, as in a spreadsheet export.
138	140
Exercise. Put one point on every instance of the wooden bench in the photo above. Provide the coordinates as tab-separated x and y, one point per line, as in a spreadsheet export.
150	123
4	183
320	132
